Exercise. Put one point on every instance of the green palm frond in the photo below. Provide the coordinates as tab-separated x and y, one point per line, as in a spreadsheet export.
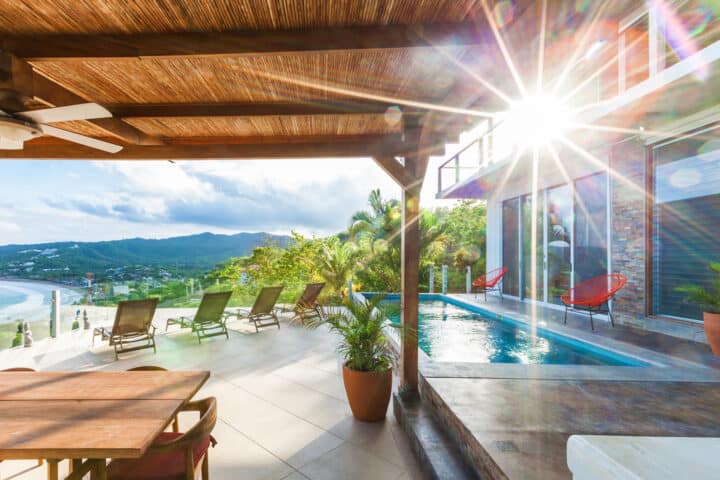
362	330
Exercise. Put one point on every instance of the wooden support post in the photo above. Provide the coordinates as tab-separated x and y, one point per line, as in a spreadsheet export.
410	287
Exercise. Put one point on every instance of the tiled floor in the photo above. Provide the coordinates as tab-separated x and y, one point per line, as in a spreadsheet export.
282	407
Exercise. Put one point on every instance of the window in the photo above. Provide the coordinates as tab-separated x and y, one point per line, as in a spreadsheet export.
559	239
590	233
634	44
571	241
510	242
527	248
686	219
692	26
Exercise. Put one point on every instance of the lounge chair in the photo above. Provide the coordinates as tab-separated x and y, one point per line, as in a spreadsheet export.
593	296
307	306
209	320
263	314
492	281
173	455
133	328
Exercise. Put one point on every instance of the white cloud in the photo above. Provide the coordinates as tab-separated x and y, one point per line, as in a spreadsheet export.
9	227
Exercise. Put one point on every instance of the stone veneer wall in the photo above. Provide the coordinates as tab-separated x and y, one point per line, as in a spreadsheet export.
627	222
627	243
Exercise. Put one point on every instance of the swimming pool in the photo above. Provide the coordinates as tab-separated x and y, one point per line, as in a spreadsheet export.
450	331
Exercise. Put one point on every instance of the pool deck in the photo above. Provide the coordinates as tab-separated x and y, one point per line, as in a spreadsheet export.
282	411
512	421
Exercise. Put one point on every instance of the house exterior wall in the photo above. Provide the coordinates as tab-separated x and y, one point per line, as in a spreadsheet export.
627	230
628	239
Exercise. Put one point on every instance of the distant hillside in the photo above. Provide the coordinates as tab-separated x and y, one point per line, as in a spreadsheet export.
68	259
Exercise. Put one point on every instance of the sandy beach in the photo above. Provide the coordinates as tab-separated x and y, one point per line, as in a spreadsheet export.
30	300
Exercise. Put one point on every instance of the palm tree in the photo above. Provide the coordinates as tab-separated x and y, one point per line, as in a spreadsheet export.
380	223
338	261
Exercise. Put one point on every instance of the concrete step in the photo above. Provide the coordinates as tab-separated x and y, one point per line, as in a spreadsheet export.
438	454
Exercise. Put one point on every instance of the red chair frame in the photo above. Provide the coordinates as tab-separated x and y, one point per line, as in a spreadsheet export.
491	280
593	296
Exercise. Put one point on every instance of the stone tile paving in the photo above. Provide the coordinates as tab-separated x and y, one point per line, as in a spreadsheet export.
282	407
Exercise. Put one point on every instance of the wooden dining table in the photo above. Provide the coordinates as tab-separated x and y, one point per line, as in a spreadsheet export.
88	417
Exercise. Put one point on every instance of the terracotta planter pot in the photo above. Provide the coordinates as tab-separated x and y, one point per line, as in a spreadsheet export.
712	330
368	393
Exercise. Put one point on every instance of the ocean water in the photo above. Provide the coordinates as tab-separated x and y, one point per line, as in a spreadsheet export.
30	300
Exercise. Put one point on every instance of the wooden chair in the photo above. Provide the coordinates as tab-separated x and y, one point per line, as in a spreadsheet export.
210	318
174	455
22	369
263	314
155	368
133	328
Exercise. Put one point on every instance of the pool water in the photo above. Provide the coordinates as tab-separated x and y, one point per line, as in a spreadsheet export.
450	333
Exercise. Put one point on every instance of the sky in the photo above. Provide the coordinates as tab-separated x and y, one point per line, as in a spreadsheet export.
50	201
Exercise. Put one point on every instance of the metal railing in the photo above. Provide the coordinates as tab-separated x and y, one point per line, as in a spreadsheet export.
477	154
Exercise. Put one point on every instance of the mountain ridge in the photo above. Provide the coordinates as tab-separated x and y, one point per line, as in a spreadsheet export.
195	252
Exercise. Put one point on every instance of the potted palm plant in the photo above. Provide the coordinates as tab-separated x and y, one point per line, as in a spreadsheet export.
367	366
709	300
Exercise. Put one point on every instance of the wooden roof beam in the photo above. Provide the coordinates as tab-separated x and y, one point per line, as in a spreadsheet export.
250	109
395	170
189	44
19	82
324	148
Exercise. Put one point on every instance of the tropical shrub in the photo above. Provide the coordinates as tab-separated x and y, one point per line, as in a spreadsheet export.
363	340
706	298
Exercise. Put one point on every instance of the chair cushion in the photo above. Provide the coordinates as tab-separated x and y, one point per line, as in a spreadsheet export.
161	466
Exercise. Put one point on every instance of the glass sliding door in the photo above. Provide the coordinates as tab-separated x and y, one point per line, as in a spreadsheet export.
571	243
559	241
528	246
686	220
590	234
510	244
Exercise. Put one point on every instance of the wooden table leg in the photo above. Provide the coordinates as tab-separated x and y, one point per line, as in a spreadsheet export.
52	469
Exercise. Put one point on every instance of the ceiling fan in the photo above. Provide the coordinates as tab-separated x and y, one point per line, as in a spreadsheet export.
17	128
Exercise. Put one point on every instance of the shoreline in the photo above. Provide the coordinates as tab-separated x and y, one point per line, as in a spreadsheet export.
35	303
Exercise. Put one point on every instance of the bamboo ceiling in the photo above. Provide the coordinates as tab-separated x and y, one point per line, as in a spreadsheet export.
261	55
418	74
144	16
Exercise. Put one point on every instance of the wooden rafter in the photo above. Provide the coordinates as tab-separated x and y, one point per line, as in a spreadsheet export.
79	47
322	148
395	170
249	109
23	82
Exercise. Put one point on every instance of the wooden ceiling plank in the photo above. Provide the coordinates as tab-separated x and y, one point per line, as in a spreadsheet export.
275	42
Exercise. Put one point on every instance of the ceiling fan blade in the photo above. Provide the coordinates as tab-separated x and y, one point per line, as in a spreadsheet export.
81	139
6	144
81	111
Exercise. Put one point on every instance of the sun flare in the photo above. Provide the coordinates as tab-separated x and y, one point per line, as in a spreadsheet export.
538	119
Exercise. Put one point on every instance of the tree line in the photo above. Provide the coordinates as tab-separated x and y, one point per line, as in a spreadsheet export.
368	252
